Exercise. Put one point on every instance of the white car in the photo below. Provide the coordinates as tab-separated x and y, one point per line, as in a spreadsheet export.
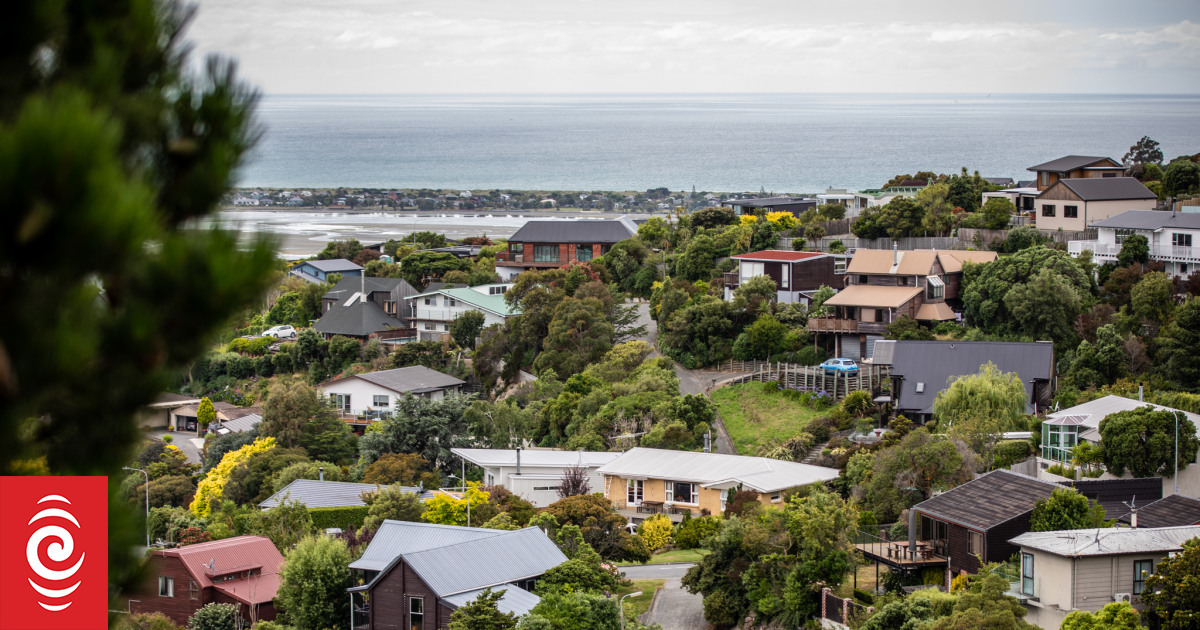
280	332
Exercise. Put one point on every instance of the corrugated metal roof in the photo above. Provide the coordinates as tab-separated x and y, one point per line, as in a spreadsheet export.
332	265
935	363
515	600
1069	163
240	425
775	254
952	260
231	554
396	538
414	378
916	263
574	231
1170	511
314	494
493	303
884	351
1106	188
988	500
1152	220
872	261
1073	543
1092	412
534	458
874	297
760	473
492	561
256	589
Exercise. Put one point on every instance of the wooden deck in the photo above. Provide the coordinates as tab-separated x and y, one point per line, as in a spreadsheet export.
895	554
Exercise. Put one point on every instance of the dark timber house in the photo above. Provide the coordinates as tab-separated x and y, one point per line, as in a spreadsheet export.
366	308
771	204
797	275
416	574
554	243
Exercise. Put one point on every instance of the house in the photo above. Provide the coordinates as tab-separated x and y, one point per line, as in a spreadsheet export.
881	286
317	271
1005	182
366	308
1170	511
923	369
1065	428
1174	239
364	398
184	418
646	481
432	311
237	419
855	202
314	493
797	275
770	204
243	571
158	413
1075	167
1075	204
1085	569
534	474
414	575
546	244
1023	198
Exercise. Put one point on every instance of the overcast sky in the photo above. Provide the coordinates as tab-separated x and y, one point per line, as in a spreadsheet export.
597	46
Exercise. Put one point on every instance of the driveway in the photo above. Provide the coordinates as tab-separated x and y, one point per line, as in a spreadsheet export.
673	608
184	440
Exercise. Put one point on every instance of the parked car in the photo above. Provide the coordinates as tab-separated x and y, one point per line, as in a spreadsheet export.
839	365
280	332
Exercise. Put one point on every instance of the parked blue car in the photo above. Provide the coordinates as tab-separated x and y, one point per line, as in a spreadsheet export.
842	366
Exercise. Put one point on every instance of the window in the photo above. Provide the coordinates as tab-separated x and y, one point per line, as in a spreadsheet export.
1109	174
1121	234
193	590
446	327
546	488
1047	209
839	266
634	491
862	279
545	253
935	289
750	270
166	586
784	273
681	492
975	546
583	253
380	401
1027	574
1044	178
416	613
430	301
1181	240
491	479
497	290
920	388
430	326
776	497
451	302
1141	570
516	248
1070	212
340	401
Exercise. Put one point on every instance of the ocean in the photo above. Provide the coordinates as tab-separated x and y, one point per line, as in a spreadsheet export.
793	143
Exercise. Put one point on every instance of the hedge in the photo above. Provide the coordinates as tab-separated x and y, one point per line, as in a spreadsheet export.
349	517
1009	452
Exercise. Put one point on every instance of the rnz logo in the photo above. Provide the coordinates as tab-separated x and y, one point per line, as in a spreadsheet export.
61	550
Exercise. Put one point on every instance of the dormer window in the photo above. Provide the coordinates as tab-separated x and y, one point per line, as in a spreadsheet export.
935	289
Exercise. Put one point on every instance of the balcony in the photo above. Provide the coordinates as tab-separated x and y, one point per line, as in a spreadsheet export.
731	279
363	416
510	257
896	553
845	326
1109	251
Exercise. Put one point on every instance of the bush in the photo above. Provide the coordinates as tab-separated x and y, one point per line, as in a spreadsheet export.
858	403
145	621
656	531
1009	452
215	616
692	532
347	517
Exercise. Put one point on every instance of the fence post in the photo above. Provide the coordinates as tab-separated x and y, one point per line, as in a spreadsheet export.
824	608
845	610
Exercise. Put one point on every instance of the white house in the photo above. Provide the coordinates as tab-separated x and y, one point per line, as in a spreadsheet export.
433	311
364	398
1174	238
534	475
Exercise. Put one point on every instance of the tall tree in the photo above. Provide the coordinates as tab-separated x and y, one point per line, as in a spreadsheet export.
578	336
466	327
1172	594
1143	441
1067	509
313	583
1134	249
908	472
1179	352
290	405
1181	177
1144	151
978	408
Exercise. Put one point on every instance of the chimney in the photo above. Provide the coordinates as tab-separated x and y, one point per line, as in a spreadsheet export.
895	253
321	473
518	460
1133	519
362	276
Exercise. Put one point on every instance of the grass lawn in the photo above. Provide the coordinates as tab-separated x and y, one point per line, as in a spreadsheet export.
756	418
636	606
674	555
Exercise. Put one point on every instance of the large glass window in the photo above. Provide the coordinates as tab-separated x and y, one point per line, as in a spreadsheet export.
635	492
1047	209
681	492
1181	240
380	401
340	401
1070	212
1142	569
750	270
166	586
583	253
545	253
416	613
1027	574
1121	234
935	289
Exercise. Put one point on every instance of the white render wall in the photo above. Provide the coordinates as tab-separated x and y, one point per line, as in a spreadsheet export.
362	394
440	311
1089	212
537	477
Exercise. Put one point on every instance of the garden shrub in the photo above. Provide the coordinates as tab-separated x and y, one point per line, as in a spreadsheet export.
656	531
346	517
692	532
1009	452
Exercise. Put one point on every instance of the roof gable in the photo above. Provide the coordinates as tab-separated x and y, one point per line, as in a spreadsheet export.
1070	163
412	379
396	538
229	555
484	562
359	319
988	500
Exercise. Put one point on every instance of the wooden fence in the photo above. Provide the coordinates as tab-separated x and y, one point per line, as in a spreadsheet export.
871	378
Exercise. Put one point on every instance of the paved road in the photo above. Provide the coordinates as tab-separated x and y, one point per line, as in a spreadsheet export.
673	608
181	439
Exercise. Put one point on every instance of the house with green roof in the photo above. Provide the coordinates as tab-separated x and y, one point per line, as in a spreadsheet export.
432	311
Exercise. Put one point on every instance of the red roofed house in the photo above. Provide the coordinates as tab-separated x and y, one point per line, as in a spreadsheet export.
243	571
796	274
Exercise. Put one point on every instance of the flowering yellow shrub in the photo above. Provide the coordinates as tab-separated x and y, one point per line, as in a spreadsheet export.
213	484
445	509
748	219
783	220
656	531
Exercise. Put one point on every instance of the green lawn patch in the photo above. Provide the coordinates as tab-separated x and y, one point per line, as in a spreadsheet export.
674	555
756	418
636	606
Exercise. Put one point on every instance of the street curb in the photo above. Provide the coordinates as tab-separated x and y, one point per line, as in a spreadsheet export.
656	564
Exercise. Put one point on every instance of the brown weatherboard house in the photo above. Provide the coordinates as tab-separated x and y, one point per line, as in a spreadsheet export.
414	575
243	571
554	243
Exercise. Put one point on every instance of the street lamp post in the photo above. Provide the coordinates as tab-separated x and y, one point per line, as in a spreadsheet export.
621	606
147	501
1176	414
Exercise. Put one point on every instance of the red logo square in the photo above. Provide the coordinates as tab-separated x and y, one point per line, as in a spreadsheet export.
54	553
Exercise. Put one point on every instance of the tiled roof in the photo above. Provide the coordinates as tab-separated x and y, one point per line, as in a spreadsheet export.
760	473
775	254
1070	163
873	297
1106	188
1170	511
987	501
233	554
1073	543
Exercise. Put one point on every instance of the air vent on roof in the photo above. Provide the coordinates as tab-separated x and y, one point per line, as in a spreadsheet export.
920	388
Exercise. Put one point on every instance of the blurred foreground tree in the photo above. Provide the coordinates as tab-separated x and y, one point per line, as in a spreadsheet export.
110	149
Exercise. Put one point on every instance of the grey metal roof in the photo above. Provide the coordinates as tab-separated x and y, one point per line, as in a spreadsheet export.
935	363
884	352
359	319
333	265
348	286
988	500
1152	220
240	425
534	458
1068	163
1170	511
713	469
574	231
414	378
313	493
769	202
515	600
1073	543
492	561
1093	411
1106	188
396	538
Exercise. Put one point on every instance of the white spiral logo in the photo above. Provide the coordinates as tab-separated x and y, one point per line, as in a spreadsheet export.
59	551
